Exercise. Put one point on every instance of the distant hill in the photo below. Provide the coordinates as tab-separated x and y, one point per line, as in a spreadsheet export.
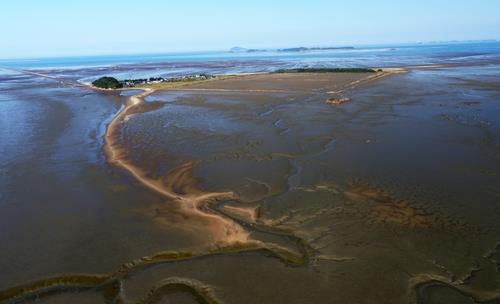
238	49
305	49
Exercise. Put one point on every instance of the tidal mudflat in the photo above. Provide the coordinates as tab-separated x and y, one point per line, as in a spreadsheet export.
253	190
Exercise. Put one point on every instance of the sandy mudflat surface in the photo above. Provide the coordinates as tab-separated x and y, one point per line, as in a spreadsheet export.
252	189
293	82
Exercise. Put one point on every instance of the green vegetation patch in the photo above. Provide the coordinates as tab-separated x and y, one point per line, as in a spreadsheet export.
107	83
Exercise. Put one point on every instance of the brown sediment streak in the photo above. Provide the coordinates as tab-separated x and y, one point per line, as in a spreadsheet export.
179	186
388	209
249	213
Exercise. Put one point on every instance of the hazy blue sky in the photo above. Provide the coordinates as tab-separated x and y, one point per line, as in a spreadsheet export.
51	28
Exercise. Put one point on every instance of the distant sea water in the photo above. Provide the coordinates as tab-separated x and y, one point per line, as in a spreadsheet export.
222	62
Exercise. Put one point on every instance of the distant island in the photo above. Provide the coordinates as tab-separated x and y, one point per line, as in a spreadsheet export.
238	49
305	49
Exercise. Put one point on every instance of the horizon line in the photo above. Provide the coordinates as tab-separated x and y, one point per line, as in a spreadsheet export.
259	48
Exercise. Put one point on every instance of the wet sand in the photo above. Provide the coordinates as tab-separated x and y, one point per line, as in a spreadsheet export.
290	82
178	186
277	188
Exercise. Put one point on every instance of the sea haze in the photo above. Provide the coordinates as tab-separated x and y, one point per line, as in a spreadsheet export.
377	55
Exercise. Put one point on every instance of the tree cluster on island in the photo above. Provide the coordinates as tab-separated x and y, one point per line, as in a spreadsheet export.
107	82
